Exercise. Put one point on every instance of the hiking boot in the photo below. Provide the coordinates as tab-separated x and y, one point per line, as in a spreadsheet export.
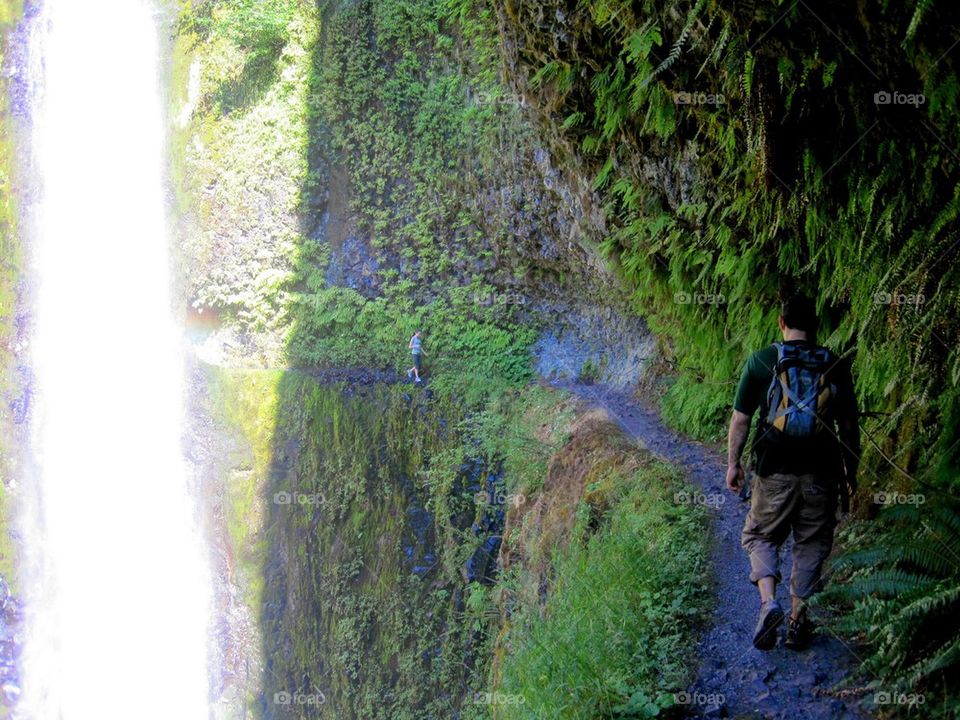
771	615
409	374
799	633
418	380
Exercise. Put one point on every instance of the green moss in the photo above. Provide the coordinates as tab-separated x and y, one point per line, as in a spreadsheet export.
357	615
10	12
9	549
247	401
11	263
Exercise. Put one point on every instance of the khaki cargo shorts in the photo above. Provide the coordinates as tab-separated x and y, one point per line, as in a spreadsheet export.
805	505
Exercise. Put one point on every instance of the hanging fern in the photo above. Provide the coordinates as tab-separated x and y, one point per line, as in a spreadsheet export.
922	9
677	47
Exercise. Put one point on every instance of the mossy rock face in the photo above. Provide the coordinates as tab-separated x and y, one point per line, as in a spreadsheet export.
338	547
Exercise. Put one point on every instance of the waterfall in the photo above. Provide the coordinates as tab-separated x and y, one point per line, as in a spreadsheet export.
117	587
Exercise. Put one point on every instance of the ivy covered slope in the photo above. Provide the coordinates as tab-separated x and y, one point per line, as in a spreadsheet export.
352	593
743	153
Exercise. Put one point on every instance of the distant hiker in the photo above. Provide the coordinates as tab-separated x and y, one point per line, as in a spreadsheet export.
416	349
806	447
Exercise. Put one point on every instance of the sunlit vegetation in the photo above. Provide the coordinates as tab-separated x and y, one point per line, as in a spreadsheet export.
11	394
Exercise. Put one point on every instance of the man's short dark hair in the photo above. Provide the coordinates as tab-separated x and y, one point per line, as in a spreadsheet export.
800	313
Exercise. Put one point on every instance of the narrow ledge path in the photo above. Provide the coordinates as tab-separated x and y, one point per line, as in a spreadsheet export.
734	679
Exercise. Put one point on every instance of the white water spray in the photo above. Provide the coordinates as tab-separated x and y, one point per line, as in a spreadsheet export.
118	605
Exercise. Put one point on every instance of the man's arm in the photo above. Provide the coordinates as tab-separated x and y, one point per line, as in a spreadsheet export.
850	447
736	439
745	403
848	428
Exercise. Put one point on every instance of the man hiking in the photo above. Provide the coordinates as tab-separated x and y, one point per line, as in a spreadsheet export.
416	349
806	449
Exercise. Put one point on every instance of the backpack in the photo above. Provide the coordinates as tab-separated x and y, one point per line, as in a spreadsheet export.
800	392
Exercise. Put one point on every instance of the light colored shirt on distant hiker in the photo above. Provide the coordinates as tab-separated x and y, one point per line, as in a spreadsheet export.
415	345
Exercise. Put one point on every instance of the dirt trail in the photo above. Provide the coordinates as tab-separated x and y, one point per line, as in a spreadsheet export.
734	679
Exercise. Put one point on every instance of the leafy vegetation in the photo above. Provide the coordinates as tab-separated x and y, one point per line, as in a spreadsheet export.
345	608
902	593
750	203
471	352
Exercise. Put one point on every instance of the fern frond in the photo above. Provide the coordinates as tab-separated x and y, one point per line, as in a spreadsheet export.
921	10
889	583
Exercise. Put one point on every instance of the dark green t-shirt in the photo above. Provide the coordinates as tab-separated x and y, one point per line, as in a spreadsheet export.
821	454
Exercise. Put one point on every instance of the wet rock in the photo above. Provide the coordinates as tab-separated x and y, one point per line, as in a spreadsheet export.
759	690
716	710
353	265
806	680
